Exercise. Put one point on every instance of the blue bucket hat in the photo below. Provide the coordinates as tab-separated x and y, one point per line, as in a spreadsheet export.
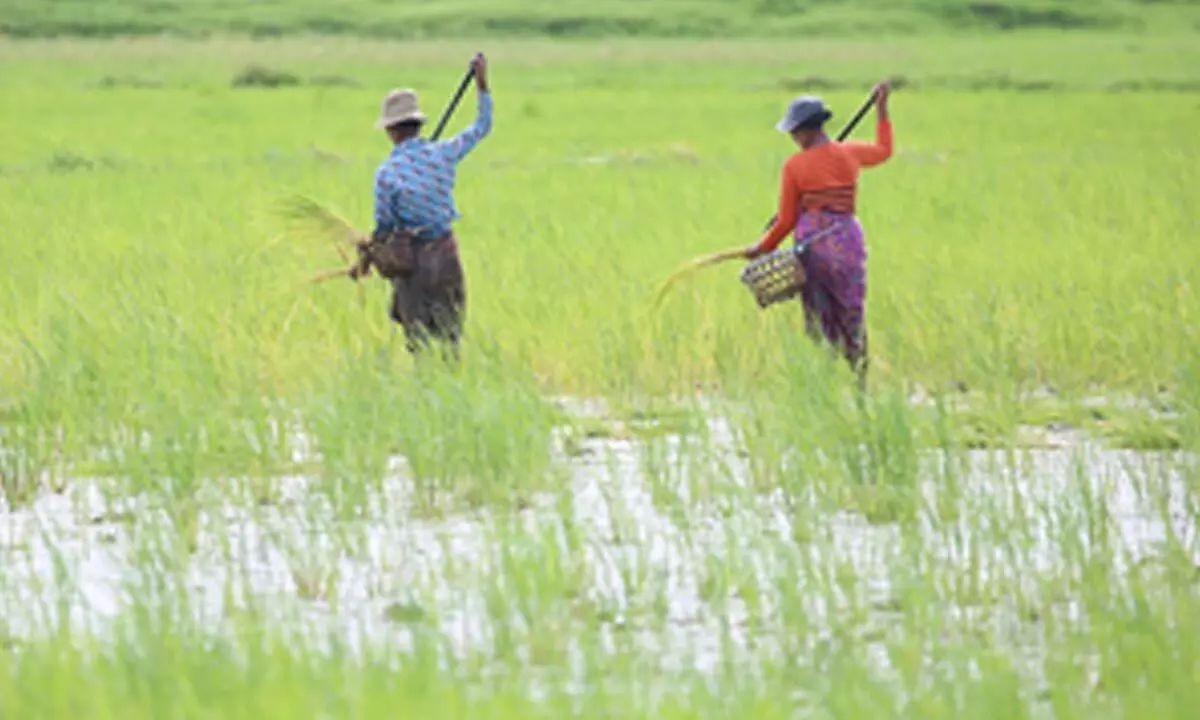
802	110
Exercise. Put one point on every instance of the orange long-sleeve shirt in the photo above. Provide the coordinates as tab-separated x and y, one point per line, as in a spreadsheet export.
825	178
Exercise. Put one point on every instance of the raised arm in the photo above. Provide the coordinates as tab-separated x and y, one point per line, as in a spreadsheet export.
457	147
872	154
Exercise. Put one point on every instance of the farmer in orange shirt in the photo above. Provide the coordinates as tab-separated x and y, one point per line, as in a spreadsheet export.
817	205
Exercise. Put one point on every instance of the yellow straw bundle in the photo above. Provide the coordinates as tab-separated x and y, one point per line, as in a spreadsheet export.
690	267
308	218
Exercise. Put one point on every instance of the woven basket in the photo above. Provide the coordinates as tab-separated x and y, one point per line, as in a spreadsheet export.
775	277
392	254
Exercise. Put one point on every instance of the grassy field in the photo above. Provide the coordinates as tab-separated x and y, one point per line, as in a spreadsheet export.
230	493
413	19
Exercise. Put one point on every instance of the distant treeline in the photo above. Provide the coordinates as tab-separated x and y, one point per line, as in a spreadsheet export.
414	19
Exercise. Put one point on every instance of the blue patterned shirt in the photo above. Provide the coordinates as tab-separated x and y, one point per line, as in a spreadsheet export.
414	186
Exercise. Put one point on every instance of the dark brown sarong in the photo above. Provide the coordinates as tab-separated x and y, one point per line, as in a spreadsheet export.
431	301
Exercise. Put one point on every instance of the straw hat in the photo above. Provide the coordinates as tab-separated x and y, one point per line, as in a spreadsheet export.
398	106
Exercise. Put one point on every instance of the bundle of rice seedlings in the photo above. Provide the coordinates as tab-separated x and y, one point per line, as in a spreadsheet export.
308	218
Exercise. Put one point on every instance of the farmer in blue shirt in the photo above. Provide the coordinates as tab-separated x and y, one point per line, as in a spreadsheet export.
414	189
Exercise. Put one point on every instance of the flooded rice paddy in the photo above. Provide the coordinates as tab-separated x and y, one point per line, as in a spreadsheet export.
641	544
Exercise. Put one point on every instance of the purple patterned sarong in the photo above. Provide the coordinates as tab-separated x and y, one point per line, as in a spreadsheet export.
835	289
